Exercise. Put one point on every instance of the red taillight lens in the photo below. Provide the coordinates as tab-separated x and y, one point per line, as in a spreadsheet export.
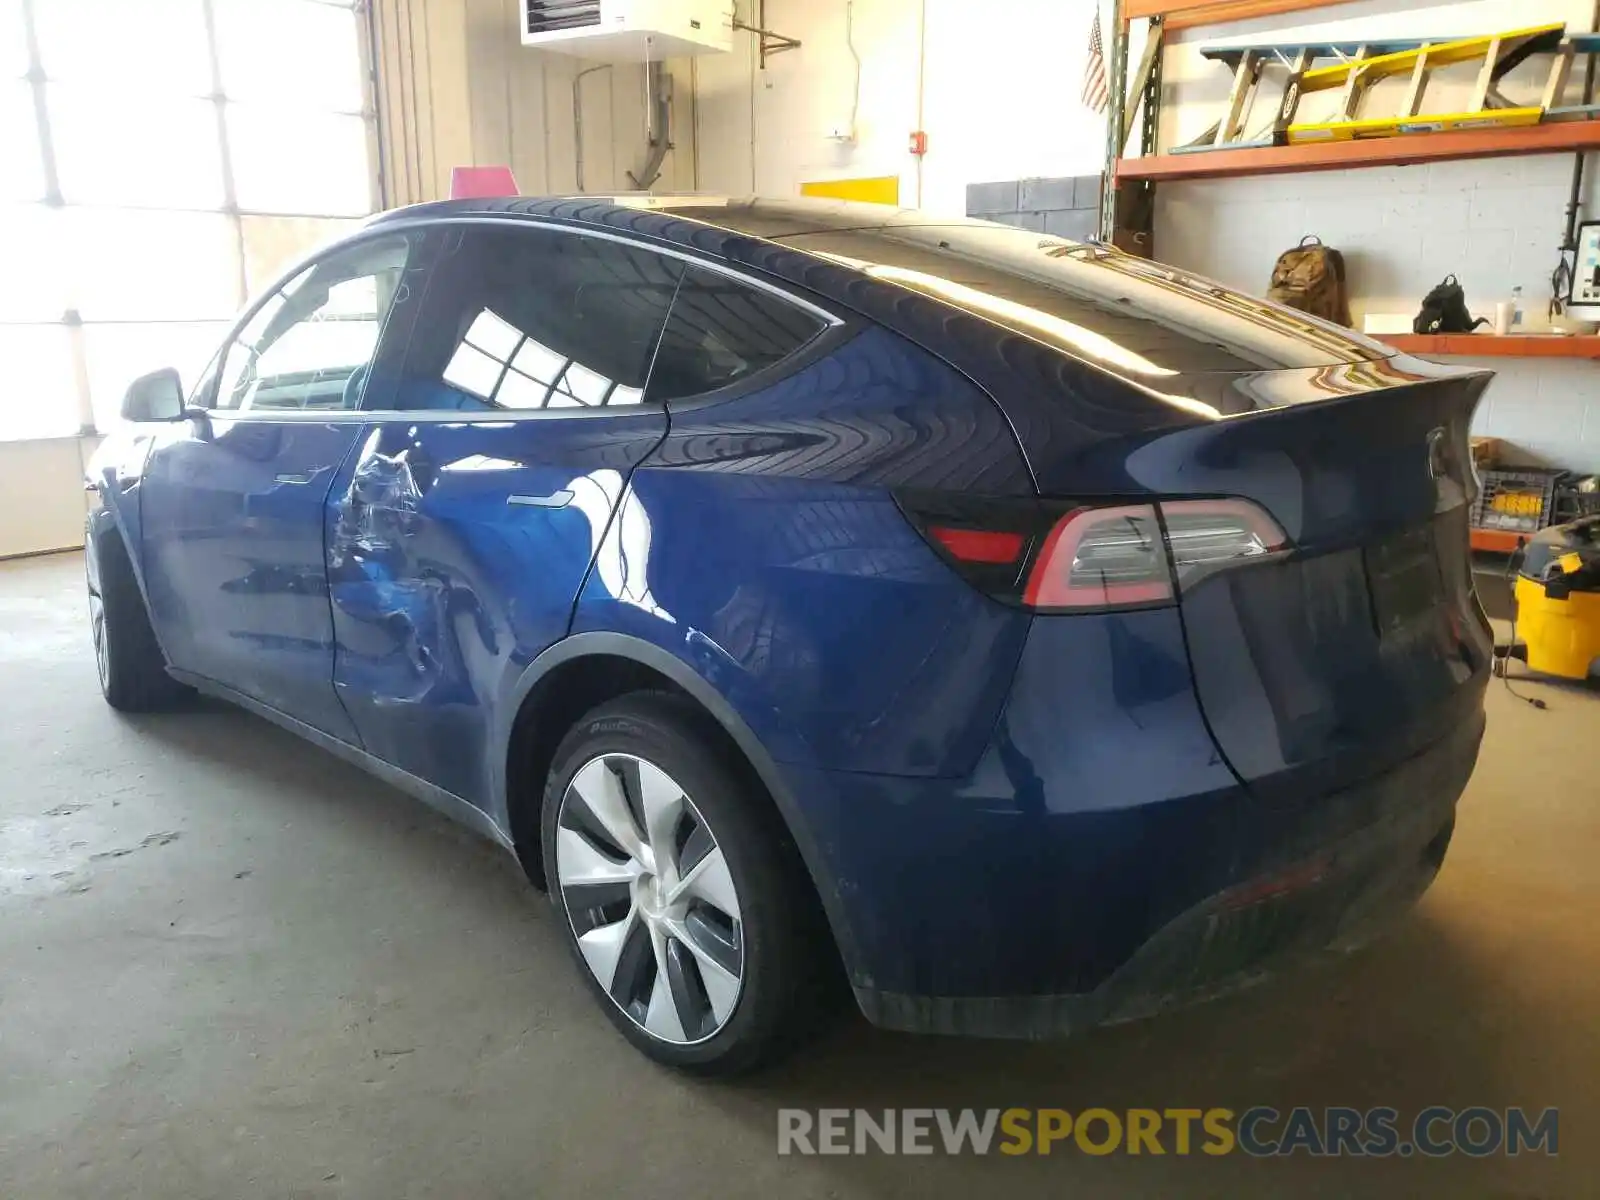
994	547
1046	555
1208	535
1101	557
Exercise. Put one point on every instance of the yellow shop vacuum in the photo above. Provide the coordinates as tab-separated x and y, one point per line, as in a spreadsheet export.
1558	600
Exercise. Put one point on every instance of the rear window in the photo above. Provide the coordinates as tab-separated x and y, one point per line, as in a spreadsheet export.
721	332
1136	317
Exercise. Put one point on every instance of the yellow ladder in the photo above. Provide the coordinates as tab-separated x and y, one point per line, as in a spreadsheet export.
1500	52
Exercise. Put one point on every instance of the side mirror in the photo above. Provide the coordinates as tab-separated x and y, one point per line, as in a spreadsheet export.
157	396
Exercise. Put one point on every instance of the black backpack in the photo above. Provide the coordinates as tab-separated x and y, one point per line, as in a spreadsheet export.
1444	310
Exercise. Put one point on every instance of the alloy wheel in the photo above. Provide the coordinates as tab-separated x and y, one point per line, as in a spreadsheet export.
650	898
97	626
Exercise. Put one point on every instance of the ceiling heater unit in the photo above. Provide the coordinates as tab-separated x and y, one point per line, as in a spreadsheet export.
619	30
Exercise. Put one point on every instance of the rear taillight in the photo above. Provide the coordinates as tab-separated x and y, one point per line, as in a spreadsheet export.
1101	558
992	547
1061	558
1207	536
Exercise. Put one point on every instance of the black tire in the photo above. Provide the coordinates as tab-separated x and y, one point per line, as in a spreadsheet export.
133	671
785	958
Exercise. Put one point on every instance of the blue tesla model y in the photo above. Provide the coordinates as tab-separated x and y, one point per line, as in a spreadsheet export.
1030	634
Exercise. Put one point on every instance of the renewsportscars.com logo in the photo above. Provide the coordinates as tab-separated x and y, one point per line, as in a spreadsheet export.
1261	1132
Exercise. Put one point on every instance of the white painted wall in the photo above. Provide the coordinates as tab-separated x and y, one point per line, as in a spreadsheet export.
997	90
1494	223
996	87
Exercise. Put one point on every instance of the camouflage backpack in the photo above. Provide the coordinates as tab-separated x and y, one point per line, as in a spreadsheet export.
1311	278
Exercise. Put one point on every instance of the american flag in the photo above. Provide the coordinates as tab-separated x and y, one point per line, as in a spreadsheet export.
1095	93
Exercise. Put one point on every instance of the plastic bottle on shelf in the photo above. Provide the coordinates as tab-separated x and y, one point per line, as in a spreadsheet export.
1516	309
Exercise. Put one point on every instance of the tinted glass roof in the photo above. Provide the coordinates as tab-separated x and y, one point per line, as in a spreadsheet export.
1135	316
779	219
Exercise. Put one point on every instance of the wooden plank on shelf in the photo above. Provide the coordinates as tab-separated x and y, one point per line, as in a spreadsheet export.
1490	345
1402	150
1187	14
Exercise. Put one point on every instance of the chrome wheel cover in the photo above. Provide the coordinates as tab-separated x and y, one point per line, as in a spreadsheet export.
652	905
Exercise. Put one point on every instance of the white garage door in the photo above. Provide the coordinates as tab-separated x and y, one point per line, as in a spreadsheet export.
160	160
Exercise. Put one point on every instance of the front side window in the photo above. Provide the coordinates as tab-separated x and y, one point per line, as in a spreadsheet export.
722	331
529	319
309	344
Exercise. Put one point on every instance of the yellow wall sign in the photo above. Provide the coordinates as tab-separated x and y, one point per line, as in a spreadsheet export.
880	189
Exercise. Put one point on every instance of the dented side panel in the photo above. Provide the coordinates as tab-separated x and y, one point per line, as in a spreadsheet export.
455	552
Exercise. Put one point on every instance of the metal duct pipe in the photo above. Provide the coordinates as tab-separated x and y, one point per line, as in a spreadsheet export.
658	123
577	121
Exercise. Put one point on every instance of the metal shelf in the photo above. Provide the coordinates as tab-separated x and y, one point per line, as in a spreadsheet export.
1183	15
1491	345
1402	150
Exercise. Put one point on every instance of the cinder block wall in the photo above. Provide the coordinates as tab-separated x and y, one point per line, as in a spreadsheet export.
1067	207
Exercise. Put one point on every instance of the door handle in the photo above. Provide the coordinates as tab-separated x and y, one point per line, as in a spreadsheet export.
292	478
557	499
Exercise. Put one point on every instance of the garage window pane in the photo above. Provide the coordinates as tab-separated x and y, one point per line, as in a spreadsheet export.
143	47
38	400
22	177
33	284
296	53
113	148
141	266
119	354
274	244
297	162
13	46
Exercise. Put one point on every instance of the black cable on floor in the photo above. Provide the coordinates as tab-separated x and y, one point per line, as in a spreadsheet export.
1505	659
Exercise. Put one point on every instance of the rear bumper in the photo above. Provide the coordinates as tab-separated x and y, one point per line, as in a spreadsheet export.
1101	861
1334	900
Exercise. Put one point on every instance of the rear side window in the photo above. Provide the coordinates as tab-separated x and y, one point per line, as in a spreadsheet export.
722	331
524	319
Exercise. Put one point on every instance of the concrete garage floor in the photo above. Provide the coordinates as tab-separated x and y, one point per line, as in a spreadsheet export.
233	966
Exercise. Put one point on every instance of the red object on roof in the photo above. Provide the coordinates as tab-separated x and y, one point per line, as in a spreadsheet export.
481	183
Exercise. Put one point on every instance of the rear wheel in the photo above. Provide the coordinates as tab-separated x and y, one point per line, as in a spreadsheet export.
133	671
683	901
